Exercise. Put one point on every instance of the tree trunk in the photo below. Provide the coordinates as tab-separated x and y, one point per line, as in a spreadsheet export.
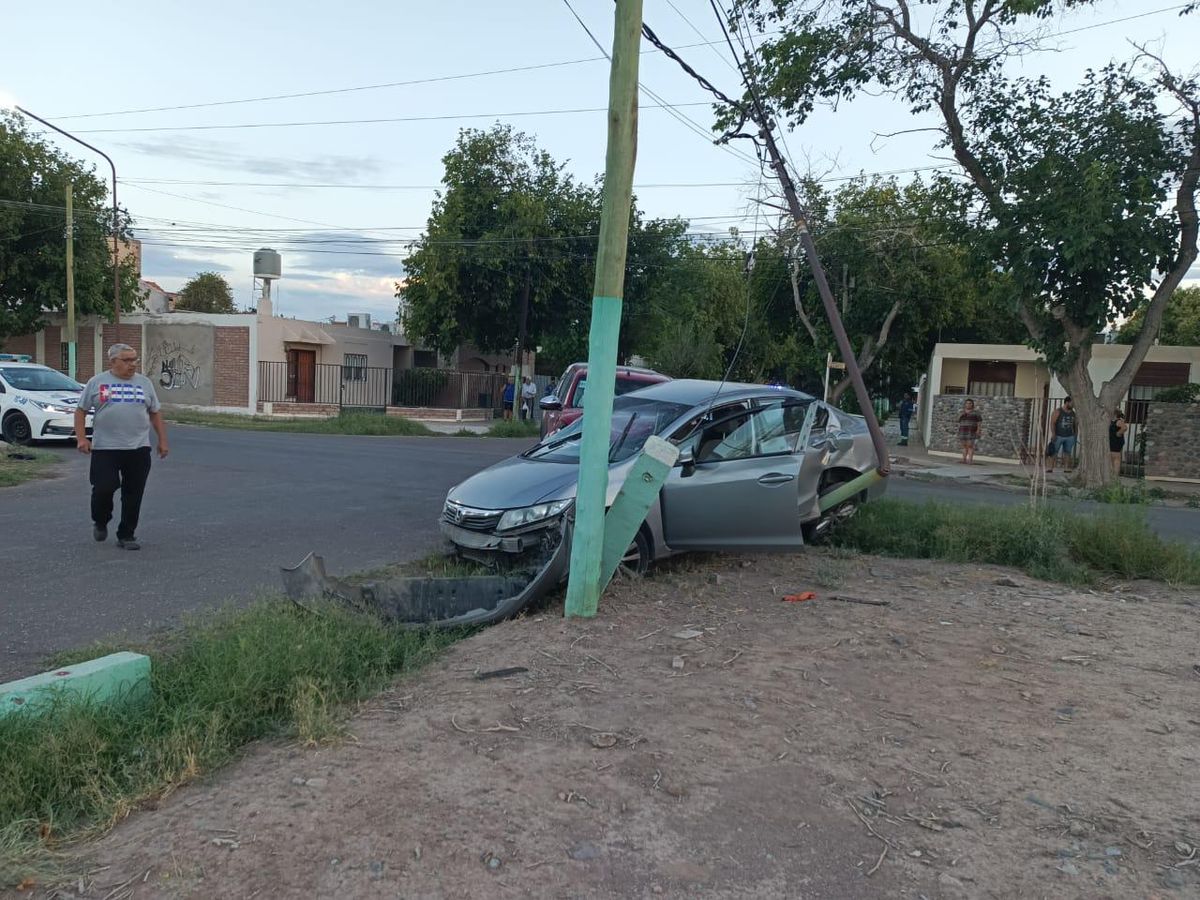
1094	465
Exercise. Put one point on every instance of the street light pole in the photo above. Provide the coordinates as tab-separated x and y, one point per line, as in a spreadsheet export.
116	222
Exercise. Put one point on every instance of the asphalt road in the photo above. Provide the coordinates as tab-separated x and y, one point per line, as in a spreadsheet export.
1170	522
222	513
228	508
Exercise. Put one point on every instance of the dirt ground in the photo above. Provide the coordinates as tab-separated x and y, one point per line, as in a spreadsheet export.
984	735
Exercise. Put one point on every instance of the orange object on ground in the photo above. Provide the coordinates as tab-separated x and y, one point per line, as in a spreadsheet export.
799	598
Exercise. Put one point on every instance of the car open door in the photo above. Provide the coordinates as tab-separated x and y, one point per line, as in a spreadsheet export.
738	486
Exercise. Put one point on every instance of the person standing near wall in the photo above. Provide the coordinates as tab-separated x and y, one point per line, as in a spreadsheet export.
528	396
126	408
507	397
1116	439
907	407
1063	429
970	428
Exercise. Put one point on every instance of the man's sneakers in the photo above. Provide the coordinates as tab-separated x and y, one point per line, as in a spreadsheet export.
100	532
128	543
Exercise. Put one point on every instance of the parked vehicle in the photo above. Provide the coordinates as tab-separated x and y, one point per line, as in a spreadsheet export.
564	404
37	403
752	467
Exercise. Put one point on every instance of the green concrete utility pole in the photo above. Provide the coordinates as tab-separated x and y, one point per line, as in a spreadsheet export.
587	549
70	285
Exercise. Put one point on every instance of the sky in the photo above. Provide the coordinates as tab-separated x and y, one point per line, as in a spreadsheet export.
340	201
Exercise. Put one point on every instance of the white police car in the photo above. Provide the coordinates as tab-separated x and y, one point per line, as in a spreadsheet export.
37	403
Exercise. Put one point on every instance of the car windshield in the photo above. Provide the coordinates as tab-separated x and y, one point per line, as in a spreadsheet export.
634	420
23	379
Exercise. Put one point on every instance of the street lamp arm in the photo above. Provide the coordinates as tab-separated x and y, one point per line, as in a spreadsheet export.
116	222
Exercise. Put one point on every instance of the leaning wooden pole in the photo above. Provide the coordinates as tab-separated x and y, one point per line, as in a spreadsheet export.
585	582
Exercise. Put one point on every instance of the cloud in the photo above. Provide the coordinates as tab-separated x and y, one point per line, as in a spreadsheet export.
167	263
323	254
217	155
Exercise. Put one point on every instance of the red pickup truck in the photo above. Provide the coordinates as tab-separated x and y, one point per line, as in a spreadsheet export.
564	404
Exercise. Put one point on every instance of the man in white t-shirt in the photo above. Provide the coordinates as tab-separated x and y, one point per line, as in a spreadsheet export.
126	408
528	396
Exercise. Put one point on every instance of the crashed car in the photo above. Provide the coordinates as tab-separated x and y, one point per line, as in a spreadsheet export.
754	462
37	403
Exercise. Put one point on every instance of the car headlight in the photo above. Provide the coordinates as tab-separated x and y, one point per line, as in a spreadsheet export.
519	518
53	407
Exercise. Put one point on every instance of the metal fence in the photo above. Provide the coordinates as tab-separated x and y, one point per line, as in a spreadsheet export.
371	387
1133	461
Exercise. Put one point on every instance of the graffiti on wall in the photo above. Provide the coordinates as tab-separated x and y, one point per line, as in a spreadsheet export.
179	360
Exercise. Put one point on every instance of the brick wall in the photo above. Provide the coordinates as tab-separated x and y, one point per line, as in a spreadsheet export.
231	366
1173	440
85	349
21	343
125	334
1005	424
53	346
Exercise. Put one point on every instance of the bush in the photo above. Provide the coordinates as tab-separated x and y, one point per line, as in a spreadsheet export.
1180	393
513	428
1049	544
418	387
231	678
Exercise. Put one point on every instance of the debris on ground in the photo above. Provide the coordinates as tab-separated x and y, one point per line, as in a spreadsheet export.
962	741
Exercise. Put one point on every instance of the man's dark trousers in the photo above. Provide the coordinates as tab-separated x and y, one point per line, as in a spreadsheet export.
124	469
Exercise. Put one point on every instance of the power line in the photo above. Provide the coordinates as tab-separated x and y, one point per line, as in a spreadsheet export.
691	125
356	88
457	117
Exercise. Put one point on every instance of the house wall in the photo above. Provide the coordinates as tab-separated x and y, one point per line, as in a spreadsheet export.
1004	429
180	360
1173	441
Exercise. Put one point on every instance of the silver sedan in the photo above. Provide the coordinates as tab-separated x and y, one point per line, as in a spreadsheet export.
753	464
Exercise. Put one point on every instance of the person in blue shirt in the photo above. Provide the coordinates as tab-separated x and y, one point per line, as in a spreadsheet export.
509	394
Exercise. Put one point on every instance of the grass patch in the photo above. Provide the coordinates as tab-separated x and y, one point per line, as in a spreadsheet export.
218	683
1051	544
512	428
1123	494
346	423
21	464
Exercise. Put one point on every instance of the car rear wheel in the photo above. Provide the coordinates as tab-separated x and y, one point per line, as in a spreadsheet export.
819	530
16	429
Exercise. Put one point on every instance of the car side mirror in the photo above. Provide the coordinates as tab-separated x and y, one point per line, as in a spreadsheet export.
550	403
687	462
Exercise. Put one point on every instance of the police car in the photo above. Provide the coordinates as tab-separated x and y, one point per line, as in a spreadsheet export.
37	403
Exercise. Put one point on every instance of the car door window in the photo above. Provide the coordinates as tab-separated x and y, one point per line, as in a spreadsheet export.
766	431
577	397
691	428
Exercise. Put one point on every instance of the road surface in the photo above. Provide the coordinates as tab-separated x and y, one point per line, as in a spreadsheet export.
228	508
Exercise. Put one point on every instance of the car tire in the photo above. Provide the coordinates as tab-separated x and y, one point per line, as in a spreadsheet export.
16	429
637	558
818	530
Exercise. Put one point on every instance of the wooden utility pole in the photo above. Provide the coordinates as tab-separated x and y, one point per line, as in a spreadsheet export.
585	584
70	283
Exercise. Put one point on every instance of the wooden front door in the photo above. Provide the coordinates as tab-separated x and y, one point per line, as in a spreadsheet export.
302	375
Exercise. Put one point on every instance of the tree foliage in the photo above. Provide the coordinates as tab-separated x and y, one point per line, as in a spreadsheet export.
33	277
1084	199
207	292
1180	324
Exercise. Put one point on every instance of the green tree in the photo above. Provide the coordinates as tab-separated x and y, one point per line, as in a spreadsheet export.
33	277
1084	200
208	292
1180	323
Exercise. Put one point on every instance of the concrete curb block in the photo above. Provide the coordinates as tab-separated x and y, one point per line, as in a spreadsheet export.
118	676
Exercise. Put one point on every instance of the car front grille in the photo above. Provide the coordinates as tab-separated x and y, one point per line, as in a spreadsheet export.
470	518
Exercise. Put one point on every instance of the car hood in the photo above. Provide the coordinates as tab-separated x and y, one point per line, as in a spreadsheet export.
519	482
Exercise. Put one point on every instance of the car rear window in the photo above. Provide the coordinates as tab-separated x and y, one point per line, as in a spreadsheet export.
622	386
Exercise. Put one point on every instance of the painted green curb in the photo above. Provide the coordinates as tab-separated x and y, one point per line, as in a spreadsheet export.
118	676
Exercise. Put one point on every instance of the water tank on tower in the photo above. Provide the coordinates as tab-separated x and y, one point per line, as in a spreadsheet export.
267	267
267	264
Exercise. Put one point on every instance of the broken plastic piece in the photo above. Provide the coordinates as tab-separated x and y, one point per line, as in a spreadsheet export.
799	598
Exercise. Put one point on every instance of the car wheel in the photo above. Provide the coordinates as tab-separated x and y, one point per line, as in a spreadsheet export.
818	530
16	429
637	558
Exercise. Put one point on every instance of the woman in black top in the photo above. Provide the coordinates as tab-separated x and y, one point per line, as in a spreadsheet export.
1116	439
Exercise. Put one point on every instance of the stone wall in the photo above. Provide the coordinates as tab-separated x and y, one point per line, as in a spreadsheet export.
1005	424
1173	440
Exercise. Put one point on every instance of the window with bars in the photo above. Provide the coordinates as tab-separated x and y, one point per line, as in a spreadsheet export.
354	367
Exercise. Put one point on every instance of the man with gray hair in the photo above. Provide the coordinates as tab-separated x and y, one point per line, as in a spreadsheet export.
126	407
